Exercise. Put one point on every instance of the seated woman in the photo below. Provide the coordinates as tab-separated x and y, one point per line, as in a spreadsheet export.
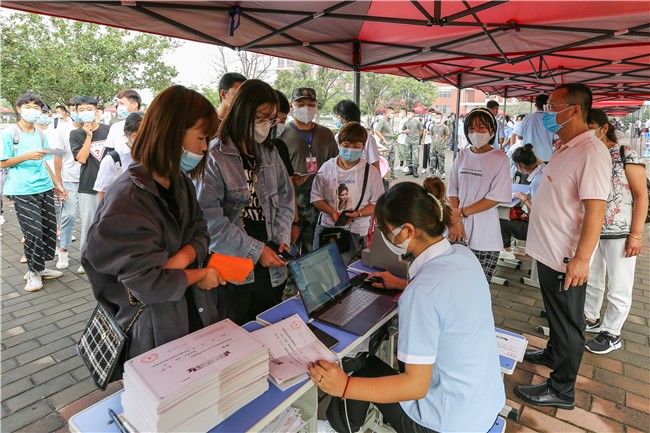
452	378
479	181
347	185
248	200
149	238
526	162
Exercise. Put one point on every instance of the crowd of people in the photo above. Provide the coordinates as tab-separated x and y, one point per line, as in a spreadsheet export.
157	192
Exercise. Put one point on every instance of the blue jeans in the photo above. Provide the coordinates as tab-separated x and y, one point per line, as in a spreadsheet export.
68	214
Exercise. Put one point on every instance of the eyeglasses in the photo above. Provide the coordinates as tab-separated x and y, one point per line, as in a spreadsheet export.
553	107
273	122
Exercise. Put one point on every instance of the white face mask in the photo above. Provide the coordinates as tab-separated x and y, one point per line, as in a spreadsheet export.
304	114
262	131
479	139
400	249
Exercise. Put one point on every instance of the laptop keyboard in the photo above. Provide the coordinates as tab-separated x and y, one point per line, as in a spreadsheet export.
352	305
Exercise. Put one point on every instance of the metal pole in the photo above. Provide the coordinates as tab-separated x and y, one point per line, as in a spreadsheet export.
530	110
356	47
455	130
505	102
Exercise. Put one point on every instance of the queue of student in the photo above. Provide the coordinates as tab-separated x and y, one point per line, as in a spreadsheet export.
179	184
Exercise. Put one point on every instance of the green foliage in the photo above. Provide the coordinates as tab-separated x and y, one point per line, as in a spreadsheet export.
58	59
209	91
405	92
330	85
375	92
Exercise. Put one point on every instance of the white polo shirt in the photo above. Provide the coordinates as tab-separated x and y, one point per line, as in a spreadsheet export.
445	319
580	170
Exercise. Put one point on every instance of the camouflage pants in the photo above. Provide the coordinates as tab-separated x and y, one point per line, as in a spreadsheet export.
437	160
412	154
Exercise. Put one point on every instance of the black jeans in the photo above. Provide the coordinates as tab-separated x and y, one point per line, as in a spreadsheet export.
517	229
566	321
357	410
37	220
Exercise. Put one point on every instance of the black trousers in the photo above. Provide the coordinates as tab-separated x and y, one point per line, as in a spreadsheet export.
242	304
517	229
357	410
566	322
37	220
426	155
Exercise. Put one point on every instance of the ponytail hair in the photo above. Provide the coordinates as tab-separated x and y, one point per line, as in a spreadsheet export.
599	117
524	155
423	206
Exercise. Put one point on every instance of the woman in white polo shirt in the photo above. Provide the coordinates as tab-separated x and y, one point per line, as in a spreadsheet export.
479	181
452	379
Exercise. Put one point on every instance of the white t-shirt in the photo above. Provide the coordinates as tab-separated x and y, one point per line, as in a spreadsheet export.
70	167
109	170
116	138
370	150
341	189
476	176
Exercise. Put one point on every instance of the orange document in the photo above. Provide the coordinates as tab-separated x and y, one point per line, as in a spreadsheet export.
232	269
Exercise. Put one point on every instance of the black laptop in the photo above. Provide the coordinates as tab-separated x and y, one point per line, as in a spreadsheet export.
323	282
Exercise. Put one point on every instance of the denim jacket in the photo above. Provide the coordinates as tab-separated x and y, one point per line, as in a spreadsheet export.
223	193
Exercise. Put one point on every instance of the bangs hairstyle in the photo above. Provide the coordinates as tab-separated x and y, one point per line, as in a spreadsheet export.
239	124
408	202
484	117
158	145
353	132
599	117
28	97
131	95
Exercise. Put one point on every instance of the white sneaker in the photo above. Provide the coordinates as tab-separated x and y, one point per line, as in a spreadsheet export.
2	219
325	427
424	170
81	270
34	282
72	239
46	274
63	261
23	259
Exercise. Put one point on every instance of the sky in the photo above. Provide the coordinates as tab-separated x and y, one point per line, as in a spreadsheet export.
192	61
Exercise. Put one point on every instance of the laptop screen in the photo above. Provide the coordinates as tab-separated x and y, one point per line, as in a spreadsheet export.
320	276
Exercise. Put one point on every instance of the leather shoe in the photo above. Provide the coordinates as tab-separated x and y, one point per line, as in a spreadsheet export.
539	356
543	395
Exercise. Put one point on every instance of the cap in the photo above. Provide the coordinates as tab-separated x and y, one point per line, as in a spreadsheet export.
303	92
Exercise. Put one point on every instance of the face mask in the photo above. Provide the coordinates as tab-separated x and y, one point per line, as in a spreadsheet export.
279	129
338	123
350	155
44	119
30	115
262	131
304	114
86	116
400	249
122	112
479	139
74	117
437	121
189	160
549	120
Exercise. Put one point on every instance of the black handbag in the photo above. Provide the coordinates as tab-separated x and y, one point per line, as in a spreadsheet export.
339	235
103	345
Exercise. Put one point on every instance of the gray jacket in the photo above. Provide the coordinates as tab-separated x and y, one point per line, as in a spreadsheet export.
132	236
223	193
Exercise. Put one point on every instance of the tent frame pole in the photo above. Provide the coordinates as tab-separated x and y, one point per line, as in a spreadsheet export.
455	130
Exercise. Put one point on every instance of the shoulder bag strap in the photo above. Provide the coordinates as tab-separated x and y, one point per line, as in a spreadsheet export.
363	188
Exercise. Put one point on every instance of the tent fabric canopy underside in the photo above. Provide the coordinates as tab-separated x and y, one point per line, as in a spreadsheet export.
514	48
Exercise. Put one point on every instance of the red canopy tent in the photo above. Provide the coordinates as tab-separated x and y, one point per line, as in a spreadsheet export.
515	48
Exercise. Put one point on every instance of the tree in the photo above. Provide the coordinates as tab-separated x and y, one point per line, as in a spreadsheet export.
58	59
375	91
251	65
407	92
330	85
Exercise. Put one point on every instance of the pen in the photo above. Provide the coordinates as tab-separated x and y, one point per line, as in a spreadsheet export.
117	421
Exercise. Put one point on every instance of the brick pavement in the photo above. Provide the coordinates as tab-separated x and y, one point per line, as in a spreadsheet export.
44	382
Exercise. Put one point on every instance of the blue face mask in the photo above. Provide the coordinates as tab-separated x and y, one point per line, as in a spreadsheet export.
86	116
350	155
44	119
338	123
30	115
549	120
122	112
190	160
74	117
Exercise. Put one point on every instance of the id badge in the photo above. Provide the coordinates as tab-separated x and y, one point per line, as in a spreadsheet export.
312	165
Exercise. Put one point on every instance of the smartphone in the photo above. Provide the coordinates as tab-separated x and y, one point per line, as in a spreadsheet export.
323	336
287	256
343	220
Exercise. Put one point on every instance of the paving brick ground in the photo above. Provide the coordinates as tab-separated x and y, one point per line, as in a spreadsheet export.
44	383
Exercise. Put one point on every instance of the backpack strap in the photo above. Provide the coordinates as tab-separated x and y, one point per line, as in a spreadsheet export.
16	138
116	158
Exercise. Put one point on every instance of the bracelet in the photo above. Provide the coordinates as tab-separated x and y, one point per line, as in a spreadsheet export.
462	212
638	238
347	382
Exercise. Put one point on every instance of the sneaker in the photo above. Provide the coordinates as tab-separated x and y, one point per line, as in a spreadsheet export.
72	239
63	261
593	326
2	219
34	282
81	270
423	171
46	274
405	169
325	427
23	259
604	343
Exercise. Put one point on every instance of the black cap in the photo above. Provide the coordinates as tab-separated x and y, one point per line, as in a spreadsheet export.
303	92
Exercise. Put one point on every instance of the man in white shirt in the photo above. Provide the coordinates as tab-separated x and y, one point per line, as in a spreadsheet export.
532	131
128	101
565	225
499	138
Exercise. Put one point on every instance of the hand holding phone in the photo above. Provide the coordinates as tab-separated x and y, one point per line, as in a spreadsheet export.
344	218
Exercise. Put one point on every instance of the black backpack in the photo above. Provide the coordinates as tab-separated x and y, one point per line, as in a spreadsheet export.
621	150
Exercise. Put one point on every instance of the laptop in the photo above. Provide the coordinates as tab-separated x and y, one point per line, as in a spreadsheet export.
329	296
